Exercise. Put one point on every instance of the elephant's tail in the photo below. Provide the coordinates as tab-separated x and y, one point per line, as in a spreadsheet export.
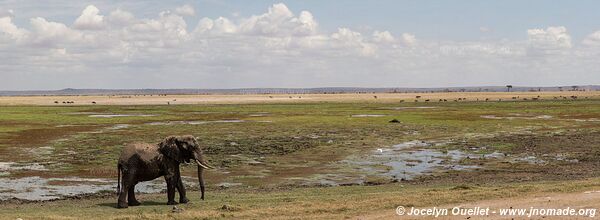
119	168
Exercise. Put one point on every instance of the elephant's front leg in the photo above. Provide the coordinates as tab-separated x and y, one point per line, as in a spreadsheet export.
181	189
171	184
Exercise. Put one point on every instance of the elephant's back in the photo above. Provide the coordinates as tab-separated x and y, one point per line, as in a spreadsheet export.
142	151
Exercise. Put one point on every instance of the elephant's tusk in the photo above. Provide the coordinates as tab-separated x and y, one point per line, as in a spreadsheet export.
204	166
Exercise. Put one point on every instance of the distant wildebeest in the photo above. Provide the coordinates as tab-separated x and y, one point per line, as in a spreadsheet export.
418	97
402	100
141	162
93	102
55	102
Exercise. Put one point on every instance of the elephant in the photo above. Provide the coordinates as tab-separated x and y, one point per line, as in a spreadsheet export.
143	162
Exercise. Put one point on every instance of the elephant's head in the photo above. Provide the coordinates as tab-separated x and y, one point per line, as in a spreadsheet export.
184	149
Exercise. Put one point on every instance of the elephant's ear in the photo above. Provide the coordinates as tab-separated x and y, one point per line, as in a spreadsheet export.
169	147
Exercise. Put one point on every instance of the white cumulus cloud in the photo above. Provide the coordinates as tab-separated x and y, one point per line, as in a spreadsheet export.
11	30
593	39
383	36
279	47
89	19
551	38
185	10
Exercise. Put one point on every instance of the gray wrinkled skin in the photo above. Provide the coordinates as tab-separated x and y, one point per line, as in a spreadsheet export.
143	162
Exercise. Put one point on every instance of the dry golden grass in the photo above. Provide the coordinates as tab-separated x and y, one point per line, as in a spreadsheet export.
353	202
286	98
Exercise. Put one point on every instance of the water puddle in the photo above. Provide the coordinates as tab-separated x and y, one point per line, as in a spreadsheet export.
528	159
225	185
585	120
367	115
259	114
517	116
35	188
42	151
119	126
193	122
328	180
407	160
119	115
415	107
10	166
107	129
84	113
65	126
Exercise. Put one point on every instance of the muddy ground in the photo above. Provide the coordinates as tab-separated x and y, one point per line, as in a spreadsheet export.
52	149
566	155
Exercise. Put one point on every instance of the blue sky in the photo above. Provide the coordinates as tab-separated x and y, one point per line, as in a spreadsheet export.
455	20
297	43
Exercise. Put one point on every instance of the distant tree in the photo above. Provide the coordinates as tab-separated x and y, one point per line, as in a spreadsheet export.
508	87
560	89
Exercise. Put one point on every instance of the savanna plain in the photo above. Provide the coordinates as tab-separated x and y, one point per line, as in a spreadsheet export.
335	156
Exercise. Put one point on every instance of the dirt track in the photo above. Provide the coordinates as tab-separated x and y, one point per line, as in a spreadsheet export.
581	200
288	98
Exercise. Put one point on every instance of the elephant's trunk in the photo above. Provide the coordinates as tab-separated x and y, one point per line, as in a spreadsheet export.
201	180
201	166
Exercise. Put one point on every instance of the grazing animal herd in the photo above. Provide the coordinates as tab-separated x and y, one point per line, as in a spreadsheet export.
417	98
141	162
70	102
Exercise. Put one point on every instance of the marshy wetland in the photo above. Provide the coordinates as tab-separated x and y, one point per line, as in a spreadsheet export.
288	149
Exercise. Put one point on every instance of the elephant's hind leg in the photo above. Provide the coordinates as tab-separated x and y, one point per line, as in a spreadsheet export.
122	202
131	196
